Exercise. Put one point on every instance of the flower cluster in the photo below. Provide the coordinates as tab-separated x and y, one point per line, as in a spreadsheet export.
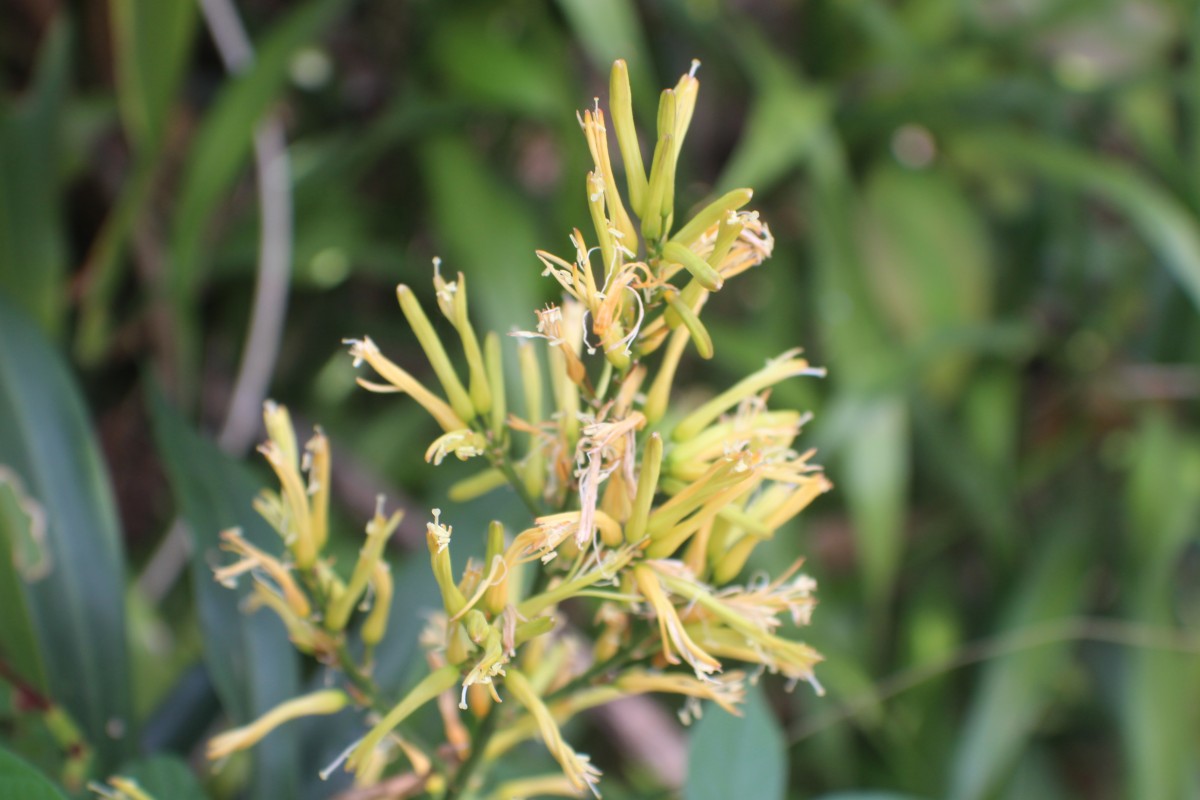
644	513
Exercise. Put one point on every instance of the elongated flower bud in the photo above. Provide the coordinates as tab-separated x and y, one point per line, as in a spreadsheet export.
328	701
431	343
621	102
710	215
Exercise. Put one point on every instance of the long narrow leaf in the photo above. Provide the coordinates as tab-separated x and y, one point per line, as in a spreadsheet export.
78	607
252	664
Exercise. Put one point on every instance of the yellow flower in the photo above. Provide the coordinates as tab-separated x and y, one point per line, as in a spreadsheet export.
328	701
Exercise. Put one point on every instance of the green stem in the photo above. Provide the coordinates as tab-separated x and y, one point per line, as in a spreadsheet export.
479	742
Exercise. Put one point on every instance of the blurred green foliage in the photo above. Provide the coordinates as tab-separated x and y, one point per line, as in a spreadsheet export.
988	225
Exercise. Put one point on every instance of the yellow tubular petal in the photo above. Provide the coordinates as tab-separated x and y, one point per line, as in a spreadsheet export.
430	687
671	630
481	391
453	600
493	358
431	343
534	474
695	327
671	539
437	408
660	389
328	701
799	500
302	545
647	484
710	215
621	100
375	625
769	375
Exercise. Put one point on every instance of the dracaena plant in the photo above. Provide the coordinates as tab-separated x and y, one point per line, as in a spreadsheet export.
645	511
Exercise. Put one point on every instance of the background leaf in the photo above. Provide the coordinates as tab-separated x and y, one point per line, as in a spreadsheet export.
153	44
732	756
19	781
33	252
252	664
78	607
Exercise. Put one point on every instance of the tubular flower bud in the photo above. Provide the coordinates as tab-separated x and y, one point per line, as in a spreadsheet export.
431	343
596	134
379	530
375	625
296	525
328	701
480	385
438	538
647	485
621	100
493	359
254	559
685	103
317	462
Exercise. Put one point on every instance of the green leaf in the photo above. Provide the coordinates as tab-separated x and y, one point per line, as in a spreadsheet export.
164	778
33	249
732	756
151	44
249	657
1168	226
23	560
1016	688
19	781
867	795
78	608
